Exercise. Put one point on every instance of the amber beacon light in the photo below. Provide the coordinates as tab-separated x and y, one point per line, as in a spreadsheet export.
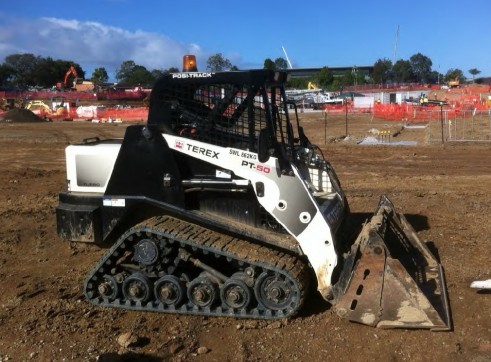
189	63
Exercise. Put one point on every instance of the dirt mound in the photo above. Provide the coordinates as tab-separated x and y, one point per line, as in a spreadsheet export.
19	115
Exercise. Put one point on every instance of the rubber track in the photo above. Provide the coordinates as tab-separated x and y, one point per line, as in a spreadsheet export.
195	238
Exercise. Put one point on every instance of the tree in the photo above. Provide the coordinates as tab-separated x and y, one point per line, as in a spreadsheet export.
324	78
350	77
99	76
157	73
32	70
173	70
435	77
421	66
133	74
280	63
6	74
358	76
125	70
48	72
24	66
347	79
402	72
140	75
382	70
269	64
474	72
217	63
337	85
297	83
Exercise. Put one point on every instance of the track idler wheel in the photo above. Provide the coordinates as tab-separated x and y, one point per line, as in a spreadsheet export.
169	290
235	294
202	292
137	288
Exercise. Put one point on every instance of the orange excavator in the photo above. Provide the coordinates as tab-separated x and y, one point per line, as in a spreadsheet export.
64	85
79	84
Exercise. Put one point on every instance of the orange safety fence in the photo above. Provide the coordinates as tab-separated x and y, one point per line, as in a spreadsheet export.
416	113
335	108
125	115
343	108
410	112
103	115
30	95
76	95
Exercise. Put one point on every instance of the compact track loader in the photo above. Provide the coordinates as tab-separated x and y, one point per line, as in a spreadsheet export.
221	206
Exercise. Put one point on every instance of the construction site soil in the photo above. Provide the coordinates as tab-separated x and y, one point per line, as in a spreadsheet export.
443	189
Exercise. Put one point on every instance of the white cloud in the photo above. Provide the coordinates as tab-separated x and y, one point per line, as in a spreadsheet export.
92	44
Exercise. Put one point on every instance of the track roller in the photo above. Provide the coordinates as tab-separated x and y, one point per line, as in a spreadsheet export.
137	288
169	290
202	292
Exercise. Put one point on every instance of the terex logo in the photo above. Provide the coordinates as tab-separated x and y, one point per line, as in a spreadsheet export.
203	151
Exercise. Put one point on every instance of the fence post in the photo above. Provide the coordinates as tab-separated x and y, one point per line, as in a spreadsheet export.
346	103
325	127
441	120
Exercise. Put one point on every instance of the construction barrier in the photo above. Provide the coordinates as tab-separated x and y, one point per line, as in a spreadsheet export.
31	95
76	95
126	115
416	113
337	108
412	113
98	114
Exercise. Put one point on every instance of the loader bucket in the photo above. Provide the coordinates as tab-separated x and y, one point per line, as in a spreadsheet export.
391	279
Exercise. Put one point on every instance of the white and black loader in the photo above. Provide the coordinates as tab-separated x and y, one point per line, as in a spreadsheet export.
220	206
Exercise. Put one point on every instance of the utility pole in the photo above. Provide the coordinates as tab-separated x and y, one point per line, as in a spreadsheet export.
395	46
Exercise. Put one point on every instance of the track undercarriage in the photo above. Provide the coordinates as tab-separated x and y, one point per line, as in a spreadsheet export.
168	265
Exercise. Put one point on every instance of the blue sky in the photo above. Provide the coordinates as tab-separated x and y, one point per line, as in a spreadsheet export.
315	33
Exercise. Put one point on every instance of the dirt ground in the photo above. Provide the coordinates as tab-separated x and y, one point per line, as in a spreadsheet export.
443	189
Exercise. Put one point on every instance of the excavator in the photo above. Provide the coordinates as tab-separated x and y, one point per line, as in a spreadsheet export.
221	206
78	83
65	85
